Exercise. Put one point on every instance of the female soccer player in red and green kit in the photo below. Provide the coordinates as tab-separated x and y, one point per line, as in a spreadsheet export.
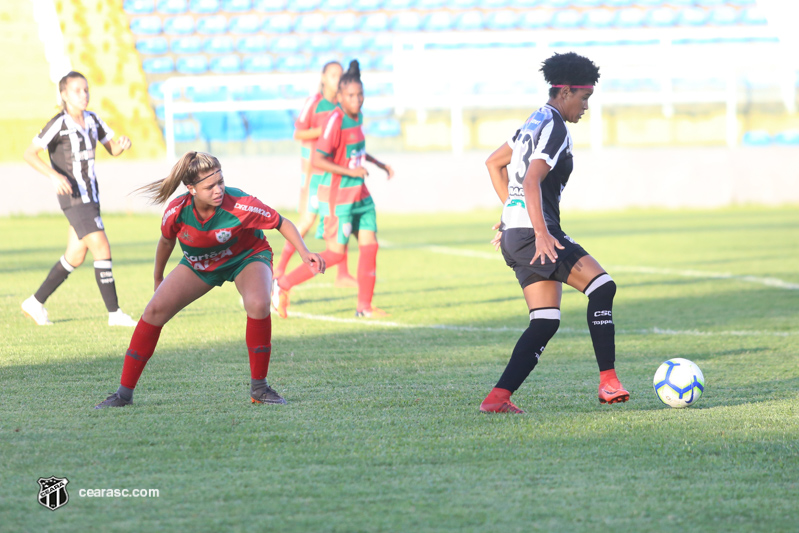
344	200
529	172
221	234
308	128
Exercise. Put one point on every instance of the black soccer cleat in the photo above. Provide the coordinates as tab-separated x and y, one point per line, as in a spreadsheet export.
115	400
266	395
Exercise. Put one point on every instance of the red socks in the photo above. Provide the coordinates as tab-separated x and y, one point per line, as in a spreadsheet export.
609	377
142	346
367	266
259	345
285	257
304	272
497	396
343	269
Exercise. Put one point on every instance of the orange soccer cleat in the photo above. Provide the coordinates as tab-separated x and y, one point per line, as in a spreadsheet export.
372	312
611	394
280	300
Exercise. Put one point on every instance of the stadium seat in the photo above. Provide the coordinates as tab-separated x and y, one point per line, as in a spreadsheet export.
502	20
692	16
320	60
599	18
180	25
756	138
285	44
567	19
221	126
742	3
257	64
558	4
376	112
270	125
186	45
490	5
218	45
437	21
594	3
409	21
295	91
524	4
661	17
269	6
317	43
207	94
385	128
753	16
139	7
157	45
353	43
650	3
630	17
191	65
469	21
430	4
337	5
292	63
787	138
310	23
253	45
374	22
245	24
382	42
619	3
172	7
462	4
278	24
145	25
158	65
682	3
256	92
724	16
381	89
710	3
186	131
228	64
204	7
370	5
383	62
536	19
160	113
213	25
343	22
304	6
236	6
156	90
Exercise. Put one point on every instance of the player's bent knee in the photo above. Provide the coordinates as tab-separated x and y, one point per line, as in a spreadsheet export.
257	308
601	287
545	320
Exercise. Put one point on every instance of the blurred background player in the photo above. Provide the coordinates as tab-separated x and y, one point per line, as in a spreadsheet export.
529	173
308	128
70	139
344	200
221	234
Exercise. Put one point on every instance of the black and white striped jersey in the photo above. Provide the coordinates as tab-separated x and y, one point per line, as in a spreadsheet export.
71	150
543	136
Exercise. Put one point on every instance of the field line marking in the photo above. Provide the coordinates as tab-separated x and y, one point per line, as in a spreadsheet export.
769	282
648	331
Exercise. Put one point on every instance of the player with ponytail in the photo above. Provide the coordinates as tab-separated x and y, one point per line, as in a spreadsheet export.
344	200
221	234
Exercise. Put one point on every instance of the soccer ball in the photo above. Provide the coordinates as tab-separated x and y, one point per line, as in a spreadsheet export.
679	383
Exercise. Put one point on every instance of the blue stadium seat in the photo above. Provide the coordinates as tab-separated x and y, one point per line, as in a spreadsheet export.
269	6
724	16
536	19
682	3
597	3
337	5
172	7
382	42
180	25
438	21
619	3
257	64
650	3
381	89
221	126
158	65
525	4
661	17
213	25
353	43
787	138
599	18
409	21
186	45
310	23
292	63
295	91
278	24
138	7
374	22
462	4
559	4
256	92
371	111
228	64
320	60
367	5
317	43
756	138
343	22
207	94
245	24
630	17
365	61
285	44
218	45
204	7
385	128
304	6
236	6
430	4
383	62
157	45
469	21
399	5
186	131
146	25
753	16
160	114
503	20
156	90
710	3
192	65
742	3
692	16
270	125
567	19
255	44
489	5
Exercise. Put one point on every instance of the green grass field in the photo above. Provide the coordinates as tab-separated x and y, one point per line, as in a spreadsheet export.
382	432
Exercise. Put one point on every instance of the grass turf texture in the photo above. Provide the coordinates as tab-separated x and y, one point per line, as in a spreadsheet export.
382	431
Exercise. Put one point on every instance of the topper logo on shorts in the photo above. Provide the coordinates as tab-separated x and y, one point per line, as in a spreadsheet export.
53	492
223	235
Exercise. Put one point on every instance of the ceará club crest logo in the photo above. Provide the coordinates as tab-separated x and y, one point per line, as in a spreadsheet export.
223	235
53	492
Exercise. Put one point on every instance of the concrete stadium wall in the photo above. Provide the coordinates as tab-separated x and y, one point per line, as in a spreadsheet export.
613	178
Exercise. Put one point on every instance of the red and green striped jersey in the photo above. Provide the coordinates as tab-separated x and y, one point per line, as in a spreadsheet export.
343	141
233	233
314	114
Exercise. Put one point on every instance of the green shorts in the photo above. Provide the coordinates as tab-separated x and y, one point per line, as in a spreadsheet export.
230	271
313	194
341	227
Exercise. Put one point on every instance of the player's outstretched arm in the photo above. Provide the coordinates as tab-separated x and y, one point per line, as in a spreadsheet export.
382	166
117	146
162	253
497	164
289	231
60	183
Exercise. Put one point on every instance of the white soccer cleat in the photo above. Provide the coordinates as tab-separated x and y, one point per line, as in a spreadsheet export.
118	318
36	311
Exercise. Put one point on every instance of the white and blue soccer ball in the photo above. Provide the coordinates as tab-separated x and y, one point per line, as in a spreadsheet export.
679	383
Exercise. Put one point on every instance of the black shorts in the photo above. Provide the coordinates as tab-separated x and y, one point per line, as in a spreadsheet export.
85	218
518	249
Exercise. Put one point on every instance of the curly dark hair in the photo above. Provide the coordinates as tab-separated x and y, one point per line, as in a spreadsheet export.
353	75
569	69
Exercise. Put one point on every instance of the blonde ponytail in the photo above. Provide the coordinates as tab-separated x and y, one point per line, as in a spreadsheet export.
185	171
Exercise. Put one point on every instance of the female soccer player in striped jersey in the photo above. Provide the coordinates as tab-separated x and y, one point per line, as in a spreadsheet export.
221	234
308	128
344	200
529	173
70	138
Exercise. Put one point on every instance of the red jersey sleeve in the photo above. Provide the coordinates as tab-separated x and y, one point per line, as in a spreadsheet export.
255	214
303	121
331	134
170	227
